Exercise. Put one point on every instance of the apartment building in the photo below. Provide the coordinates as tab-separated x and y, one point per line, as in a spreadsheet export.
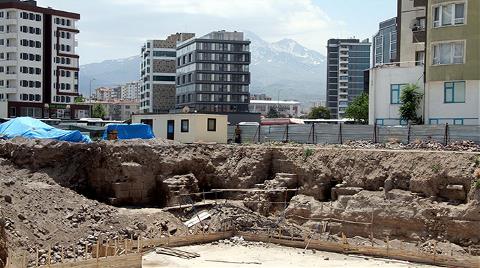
386	79
158	70
385	43
452	89
347	60
439	52
38	64
213	73
131	91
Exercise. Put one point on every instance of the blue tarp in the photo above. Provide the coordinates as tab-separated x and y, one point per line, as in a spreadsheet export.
32	128
127	132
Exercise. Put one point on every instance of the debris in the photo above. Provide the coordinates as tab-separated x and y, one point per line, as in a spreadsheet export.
197	218
176	253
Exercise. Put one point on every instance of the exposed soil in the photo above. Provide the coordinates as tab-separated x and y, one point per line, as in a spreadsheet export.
3	244
69	195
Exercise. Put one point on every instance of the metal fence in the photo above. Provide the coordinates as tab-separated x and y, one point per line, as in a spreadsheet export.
341	133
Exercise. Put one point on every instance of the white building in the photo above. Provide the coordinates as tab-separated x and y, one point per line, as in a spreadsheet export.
38	63
131	91
386	83
187	128
285	108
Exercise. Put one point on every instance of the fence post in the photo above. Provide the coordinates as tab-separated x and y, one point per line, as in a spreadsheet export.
446	135
313	133
375	139
287	137
340	134
408	132
259	133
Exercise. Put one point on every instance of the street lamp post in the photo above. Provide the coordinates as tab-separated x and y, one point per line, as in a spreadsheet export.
91	81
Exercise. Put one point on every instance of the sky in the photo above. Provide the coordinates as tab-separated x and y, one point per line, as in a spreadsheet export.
113	29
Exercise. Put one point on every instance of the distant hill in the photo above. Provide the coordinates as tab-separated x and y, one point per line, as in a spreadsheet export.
284	67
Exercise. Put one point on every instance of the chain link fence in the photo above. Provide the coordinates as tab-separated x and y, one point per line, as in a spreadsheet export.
342	133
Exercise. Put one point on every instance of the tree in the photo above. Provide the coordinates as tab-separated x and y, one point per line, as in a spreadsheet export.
358	109
319	112
273	113
410	99
99	111
79	99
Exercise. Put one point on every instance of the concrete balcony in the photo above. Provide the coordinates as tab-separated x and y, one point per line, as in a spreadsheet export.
8	90
343	49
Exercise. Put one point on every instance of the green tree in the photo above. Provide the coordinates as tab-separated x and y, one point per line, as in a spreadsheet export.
273	113
79	99
358	109
99	111
319	112
410	99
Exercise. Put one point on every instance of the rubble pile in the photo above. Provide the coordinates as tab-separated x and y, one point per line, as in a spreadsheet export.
239	241
431	145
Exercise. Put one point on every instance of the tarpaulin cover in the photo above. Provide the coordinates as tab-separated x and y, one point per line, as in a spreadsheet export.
32	128
127	132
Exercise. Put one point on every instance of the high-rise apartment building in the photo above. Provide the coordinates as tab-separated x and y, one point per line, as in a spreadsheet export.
213	73
385	43
347	60
38	63
131	91
158	70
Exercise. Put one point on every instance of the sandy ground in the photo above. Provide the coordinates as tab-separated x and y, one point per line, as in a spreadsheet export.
272	256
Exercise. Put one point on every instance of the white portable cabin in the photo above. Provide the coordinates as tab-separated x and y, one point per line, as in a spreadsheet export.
187	127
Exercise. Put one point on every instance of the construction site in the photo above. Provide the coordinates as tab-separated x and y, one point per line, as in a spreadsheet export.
121	203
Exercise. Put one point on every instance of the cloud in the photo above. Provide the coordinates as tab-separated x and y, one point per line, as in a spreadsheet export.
271	19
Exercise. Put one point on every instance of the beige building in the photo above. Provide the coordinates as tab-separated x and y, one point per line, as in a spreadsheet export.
186	128
119	110
158	70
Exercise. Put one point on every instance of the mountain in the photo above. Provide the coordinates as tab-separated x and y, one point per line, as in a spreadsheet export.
109	73
284	68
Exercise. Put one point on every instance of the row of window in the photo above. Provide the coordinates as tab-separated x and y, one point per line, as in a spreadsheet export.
63	47
30	97
223	47
454	92
187	98
62	34
30	57
30	70
64	86
170	54
30	16
64	22
31	43
32	30
64	99
63	60
211	125
65	73
30	84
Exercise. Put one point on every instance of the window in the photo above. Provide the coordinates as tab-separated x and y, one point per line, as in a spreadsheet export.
449	53
212	124
395	91
420	58
184	125
164	78
449	14
458	121
454	92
